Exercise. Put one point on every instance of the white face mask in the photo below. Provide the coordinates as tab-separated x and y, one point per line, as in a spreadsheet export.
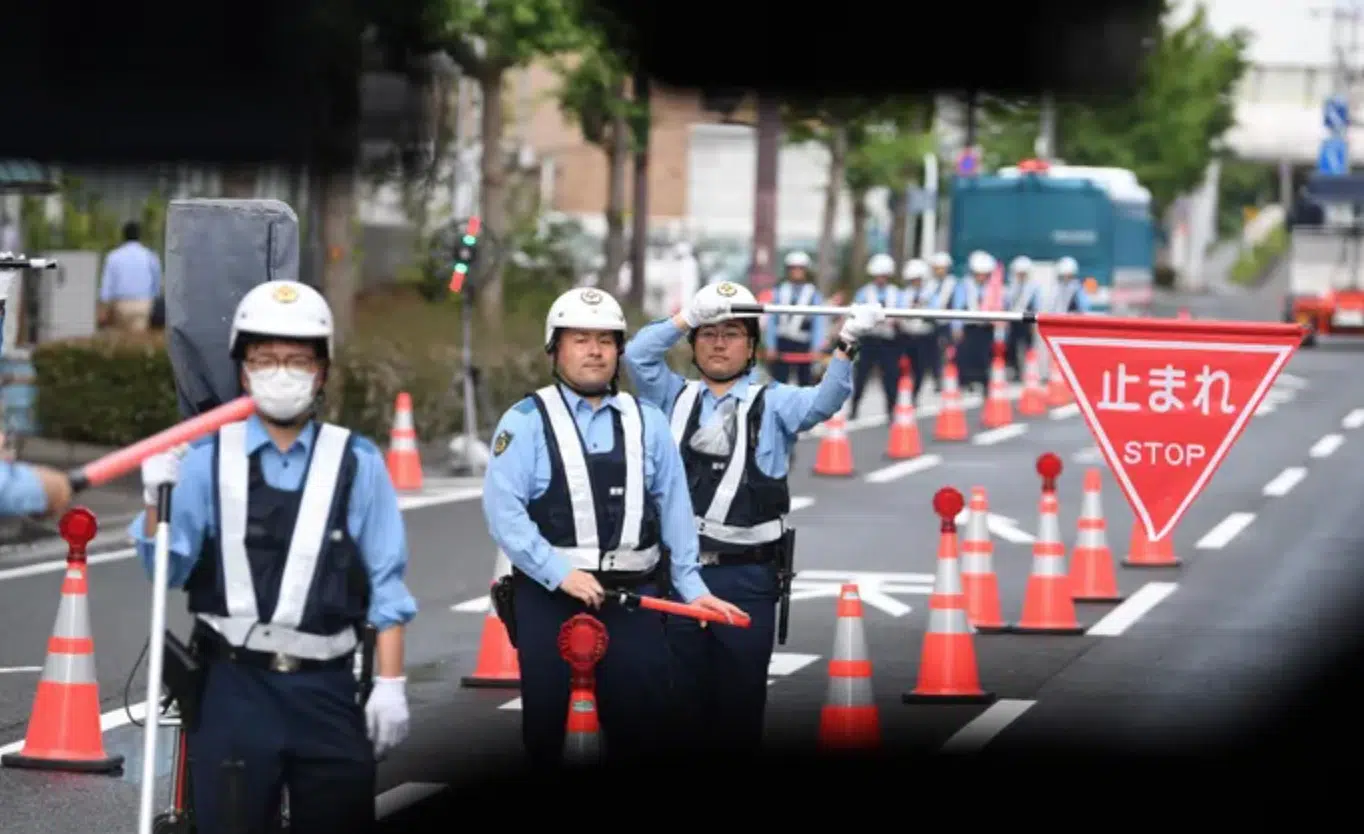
282	394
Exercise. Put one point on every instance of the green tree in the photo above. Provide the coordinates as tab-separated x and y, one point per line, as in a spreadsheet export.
1167	132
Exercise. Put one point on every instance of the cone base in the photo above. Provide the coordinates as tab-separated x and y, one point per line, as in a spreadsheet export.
1002	628
825	473
894	456
111	765
1022	629
1098	598
951	699
476	682
1128	563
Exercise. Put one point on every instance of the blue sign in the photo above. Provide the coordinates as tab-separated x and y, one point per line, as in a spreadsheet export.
1331	159
968	161
1336	114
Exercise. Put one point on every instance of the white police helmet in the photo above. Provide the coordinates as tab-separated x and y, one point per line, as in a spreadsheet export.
282	310
584	308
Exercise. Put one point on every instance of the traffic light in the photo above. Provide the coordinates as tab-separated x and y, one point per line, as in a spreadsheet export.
465	251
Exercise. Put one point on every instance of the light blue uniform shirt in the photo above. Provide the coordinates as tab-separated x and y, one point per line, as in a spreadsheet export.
374	519
969	295
887	296
1081	297
788	410
132	272
789	292
521	473
21	493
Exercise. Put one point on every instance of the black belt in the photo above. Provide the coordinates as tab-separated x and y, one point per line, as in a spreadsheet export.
610	580
757	555
215	647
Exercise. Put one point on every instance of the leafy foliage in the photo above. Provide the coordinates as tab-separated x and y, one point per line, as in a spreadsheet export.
487	37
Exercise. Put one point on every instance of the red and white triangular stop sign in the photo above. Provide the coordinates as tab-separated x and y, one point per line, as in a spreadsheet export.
1166	399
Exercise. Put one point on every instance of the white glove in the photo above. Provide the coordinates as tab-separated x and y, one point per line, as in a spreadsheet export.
161	468
386	714
705	309
862	318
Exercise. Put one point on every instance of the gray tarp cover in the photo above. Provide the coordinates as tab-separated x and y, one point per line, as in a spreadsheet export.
216	251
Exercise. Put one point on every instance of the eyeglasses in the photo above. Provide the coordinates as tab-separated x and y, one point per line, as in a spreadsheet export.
303	364
722	335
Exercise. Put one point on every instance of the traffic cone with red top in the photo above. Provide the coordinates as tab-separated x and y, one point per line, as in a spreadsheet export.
582	645
850	719
978	569
1033	400
951	423
1144	553
1047	605
1058	391
404	462
947	663
64	730
498	665
904	441
1093	577
834	456
997	410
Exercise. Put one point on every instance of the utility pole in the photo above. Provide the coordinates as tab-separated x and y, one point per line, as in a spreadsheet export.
762	272
1045	146
639	205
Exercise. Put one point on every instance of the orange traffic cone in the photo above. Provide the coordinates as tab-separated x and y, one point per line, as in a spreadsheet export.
1184	314
947	664
498	666
1047	604
404	462
850	719
64	730
997	410
978	569
834	456
1144	553
1092	575
1033	401
951	424
582	644
904	441
1058	392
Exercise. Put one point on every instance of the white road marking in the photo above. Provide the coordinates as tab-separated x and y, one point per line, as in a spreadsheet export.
800	502
111	720
1354	419
999	435
1326	446
902	469
1132	609
986	726
1064	411
1089	454
999	525
405	502
403	796
1284	482
1226	530
14	670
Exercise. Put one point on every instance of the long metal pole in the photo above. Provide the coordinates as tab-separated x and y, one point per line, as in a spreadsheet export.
905	313
466	314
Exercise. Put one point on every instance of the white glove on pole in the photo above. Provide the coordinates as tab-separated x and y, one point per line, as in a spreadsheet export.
386	714
705	309
861	320
161	468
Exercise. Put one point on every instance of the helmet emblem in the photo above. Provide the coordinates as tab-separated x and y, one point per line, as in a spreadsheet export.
590	296
726	289
285	294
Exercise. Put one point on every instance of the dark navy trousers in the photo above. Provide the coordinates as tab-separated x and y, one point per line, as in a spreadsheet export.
633	680
303	730
876	354
722	670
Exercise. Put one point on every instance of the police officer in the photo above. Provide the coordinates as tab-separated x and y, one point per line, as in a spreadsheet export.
286	536
974	340
1021	295
584	489
879	350
1070	295
735	434
790	335
920	335
943	294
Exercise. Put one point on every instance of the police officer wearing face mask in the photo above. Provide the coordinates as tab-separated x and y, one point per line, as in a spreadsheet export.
793	339
584	490
736	435
287	537
881	350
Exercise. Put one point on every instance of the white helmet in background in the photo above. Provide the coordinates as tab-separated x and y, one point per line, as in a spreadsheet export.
940	260
282	310
727	293
797	259
1021	264
915	269
1066	267
982	262
880	265
584	308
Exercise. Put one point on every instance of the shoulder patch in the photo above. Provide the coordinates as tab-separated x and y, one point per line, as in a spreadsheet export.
526	406
501	442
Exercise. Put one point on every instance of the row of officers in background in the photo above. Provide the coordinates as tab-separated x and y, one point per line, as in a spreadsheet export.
794	343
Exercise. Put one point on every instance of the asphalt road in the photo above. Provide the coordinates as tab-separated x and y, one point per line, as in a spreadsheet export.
1191	650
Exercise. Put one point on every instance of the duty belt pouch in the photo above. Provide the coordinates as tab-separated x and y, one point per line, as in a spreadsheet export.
663	574
184	676
503	596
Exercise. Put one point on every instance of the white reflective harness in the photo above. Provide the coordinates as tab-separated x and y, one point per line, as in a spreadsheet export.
1065	294
243	626
790	325
712	523
587	554
1027	291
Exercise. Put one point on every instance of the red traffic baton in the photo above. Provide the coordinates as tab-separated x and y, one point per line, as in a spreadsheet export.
680	609
117	464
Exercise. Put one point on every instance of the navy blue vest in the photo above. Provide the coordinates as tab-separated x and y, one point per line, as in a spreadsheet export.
553	511
340	593
758	499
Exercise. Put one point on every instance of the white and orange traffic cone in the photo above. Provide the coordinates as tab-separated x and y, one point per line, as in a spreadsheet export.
904	441
1093	578
997	410
850	719
498	663
978	569
1058	390
951	423
1047	604
834	457
1144	553
1033	400
404	461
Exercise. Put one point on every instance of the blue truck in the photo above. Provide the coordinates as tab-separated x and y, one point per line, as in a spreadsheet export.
1101	217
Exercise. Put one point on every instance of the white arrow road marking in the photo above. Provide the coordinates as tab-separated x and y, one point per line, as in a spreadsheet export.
873	587
999	525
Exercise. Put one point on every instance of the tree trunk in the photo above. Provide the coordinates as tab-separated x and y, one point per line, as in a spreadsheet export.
639	234
857	265
492	199
339	283
617	154
899	217
239	182
825	267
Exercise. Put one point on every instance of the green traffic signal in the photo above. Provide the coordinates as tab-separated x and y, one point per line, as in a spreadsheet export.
462	268
470	240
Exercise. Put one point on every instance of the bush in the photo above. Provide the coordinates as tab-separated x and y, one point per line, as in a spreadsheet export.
109	390
1256	262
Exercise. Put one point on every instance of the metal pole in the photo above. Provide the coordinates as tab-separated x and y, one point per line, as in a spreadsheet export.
929	240
763	269
1045	147
920	313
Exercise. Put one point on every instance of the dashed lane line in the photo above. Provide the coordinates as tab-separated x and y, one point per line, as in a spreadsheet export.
902	469
1284	482
1226	530
1133	608
983	729
1326	446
